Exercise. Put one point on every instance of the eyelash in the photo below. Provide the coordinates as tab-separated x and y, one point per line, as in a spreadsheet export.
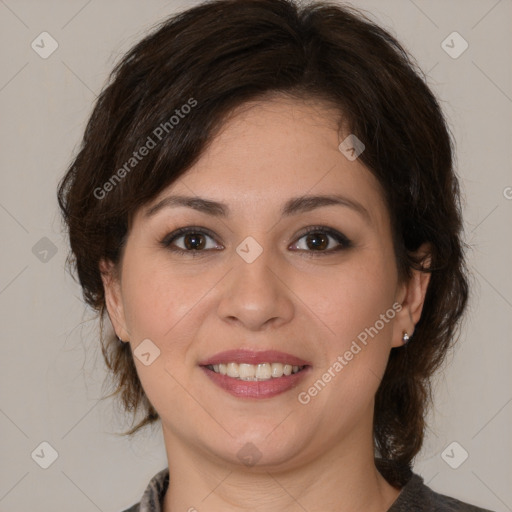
339	237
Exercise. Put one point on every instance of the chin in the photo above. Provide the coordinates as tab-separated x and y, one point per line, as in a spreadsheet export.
265	447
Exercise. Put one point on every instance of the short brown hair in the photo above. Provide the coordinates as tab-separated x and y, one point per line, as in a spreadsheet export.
222	54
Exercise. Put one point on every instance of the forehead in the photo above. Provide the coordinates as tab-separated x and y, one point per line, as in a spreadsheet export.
269	151
278	128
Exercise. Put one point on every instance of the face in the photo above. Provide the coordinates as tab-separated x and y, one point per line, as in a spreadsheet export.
313	284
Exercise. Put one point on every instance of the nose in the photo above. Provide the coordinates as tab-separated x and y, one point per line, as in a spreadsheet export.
255	295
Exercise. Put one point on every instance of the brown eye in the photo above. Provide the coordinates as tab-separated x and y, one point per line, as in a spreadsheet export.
319	239
195	241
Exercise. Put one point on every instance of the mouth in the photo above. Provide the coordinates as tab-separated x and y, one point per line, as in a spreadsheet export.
255	374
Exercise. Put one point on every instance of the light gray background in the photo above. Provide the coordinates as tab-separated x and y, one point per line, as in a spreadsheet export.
51	367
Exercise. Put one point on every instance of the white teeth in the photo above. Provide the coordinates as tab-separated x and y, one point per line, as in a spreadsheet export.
262	371
232	370
246	371
277	370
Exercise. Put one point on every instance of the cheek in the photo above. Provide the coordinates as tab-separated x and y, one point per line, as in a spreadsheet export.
354	304
156	298
351	298
157	304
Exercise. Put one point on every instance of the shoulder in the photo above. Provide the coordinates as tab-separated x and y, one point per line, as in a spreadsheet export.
153	497
415	496
134	508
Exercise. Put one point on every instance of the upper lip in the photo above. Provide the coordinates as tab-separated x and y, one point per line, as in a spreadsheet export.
241	356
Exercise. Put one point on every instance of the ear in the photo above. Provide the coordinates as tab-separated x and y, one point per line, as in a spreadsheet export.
113	298
411	295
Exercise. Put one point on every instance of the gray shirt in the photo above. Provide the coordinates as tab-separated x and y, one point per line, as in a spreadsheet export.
415	496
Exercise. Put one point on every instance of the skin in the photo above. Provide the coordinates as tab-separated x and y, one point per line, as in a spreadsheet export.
314	457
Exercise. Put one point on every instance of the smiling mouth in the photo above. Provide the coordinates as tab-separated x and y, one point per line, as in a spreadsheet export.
255	372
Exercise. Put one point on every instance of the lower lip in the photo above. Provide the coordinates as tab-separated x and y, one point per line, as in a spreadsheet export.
253	388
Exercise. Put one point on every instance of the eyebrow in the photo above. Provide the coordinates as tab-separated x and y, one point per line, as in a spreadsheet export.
293	206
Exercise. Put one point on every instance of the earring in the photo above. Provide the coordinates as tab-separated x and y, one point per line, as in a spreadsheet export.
120	340
405	337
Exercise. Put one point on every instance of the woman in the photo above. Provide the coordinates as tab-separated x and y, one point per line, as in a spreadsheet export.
265	207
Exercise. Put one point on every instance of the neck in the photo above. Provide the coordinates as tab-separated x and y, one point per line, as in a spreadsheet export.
339	479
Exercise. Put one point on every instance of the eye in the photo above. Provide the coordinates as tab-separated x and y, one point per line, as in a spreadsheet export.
317	240
194	240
